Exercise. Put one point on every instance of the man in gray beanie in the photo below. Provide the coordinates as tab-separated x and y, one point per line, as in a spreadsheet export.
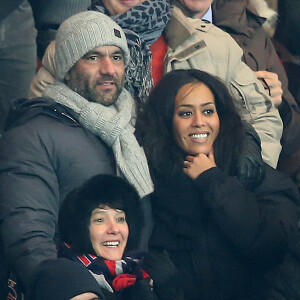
82	126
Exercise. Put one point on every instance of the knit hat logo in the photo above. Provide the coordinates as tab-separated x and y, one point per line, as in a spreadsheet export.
83	32
117	33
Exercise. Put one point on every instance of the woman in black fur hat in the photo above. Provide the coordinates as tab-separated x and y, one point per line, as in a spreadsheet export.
101	197
100	226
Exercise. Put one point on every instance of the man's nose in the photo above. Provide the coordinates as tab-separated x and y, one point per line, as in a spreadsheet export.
107	66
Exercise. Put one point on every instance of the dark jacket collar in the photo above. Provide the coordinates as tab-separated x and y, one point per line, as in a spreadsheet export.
23	110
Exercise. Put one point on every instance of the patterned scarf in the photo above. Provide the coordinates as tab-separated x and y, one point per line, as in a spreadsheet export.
112	275
148	19
138	73
114	125
143	25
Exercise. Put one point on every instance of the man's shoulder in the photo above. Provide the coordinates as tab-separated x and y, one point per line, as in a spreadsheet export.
184	29
48	130
41	110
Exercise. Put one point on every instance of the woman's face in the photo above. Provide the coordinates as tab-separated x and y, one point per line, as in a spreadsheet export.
109	232
195	122
199	7
116	7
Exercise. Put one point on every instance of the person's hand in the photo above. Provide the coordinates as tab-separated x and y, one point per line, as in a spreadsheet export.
86	296
142	289
196	165
164	274
159	266
271	82
250	166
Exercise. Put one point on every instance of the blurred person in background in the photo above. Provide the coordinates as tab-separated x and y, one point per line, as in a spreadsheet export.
17	53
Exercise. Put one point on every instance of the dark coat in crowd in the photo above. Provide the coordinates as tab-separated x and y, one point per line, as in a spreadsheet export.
288	28
7	7
245	26
222	238
42	160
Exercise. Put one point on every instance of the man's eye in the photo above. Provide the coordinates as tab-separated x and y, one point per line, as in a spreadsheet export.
117	57
121	220
93	57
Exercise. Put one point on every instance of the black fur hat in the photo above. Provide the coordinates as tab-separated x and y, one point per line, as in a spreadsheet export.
76	210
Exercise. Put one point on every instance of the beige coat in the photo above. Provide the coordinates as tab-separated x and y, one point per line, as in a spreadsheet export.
44	75
197	44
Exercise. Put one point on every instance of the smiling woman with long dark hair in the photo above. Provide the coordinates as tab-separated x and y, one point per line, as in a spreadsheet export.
222	237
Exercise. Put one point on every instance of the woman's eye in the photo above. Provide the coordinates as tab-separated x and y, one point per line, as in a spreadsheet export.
185	114
121	220
98	220
208	112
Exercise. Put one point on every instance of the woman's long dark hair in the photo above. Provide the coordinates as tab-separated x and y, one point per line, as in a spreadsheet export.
155	129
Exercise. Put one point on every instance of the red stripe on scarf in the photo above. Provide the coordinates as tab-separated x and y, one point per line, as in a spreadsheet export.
111	264
84	260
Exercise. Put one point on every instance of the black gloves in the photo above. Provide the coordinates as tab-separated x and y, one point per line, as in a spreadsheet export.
250	170
164	274
140	290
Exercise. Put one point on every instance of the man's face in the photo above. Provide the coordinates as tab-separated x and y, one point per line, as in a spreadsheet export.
99	75
116	7
198	7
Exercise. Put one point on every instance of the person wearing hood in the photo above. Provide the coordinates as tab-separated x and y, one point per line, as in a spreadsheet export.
100	226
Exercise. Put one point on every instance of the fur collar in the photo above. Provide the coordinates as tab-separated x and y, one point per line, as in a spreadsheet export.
262	8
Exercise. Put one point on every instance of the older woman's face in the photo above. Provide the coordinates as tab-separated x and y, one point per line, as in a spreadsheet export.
199	7
195	122
116	7
109	232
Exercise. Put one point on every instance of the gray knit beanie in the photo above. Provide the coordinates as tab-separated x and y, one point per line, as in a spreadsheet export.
82	33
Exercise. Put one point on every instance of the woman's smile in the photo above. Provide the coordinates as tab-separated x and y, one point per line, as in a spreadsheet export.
195	122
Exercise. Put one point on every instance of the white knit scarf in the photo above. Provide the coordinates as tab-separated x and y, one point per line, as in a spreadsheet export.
115	126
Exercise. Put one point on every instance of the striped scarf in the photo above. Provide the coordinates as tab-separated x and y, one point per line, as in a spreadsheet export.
112	275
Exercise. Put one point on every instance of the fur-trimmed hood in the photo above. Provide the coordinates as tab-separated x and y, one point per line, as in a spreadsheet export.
263	10
243	16
103	189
